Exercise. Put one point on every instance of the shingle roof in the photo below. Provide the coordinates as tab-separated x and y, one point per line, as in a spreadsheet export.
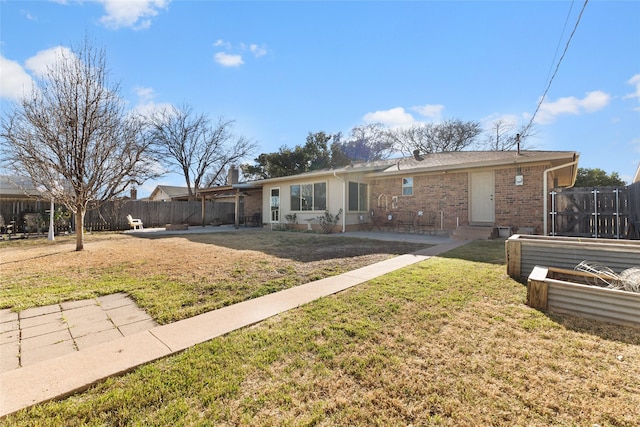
172	190
443	161
17	186
468	159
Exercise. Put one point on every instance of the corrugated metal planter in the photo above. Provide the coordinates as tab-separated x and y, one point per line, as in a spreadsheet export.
563	291
524	252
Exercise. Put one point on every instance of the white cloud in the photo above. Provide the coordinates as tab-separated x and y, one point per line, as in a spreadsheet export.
40	63
592	102
14	81
395	117
634	81
510	121
146	105
136	14
222	43
433	111
595	101
28	15
144	94
228	60
257	50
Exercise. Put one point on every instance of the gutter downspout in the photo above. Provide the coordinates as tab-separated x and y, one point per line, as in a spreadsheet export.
545	181
344	207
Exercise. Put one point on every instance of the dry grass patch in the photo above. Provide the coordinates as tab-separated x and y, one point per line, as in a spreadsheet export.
444	342
174	277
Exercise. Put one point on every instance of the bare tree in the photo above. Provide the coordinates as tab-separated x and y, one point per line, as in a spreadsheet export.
503	137
451	135
190	144
72	136
368	142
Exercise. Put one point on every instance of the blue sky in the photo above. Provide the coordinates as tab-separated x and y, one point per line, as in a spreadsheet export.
282	69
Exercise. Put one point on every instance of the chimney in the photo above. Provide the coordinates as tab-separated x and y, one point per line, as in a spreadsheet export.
134	193
233	174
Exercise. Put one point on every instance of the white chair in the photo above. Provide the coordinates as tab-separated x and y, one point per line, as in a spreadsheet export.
135	223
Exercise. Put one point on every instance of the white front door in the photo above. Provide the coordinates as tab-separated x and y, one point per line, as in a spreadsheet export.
482	206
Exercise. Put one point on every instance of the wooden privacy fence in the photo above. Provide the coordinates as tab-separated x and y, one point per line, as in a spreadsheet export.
603	212
19	215
113	215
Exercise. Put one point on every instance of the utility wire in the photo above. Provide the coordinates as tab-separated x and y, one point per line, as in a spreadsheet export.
564	28
544	95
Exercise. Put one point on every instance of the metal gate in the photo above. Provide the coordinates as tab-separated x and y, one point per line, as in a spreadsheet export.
603	212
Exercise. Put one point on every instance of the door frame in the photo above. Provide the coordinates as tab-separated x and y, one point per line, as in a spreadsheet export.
271	205
482	192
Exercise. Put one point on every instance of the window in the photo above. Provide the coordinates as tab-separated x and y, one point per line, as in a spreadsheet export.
275	205
309	197
358	196
407	186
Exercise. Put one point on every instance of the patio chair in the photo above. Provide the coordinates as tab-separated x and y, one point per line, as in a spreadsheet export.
135	223
255	219
364	224
405	221
426	222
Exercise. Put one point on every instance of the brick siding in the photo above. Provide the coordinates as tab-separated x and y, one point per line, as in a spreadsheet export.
447	194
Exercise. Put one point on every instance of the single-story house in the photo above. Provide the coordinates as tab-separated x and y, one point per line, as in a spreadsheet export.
18	196
247	198
166	193
484	188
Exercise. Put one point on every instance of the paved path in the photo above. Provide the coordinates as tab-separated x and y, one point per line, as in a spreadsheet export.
61	376
42	333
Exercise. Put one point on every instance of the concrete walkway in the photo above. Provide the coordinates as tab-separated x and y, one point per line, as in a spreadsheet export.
61	376
42	333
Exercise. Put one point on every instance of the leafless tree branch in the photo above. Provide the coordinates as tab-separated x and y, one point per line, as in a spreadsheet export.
191	144
72	136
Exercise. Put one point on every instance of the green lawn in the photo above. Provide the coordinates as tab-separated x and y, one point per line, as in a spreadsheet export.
448	341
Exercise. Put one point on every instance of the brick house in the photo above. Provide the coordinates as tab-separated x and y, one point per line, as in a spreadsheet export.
484	188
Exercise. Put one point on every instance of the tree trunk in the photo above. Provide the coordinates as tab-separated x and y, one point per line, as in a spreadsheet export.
80	228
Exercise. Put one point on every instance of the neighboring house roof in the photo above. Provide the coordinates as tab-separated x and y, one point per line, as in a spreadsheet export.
169	192
17	187
637	177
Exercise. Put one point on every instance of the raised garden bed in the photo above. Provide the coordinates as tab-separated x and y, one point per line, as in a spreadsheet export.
575	292
524	252
176	227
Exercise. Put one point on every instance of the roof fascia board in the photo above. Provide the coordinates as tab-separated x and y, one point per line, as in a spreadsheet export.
328	173
520	160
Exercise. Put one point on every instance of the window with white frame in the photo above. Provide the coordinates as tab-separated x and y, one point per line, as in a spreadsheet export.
407	186
309	197
358	196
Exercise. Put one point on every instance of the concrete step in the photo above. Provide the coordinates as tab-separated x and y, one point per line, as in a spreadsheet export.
469	232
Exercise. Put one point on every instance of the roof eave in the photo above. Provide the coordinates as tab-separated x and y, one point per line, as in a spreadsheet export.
517	160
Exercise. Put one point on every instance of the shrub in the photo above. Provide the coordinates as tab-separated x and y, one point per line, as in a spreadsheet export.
328	221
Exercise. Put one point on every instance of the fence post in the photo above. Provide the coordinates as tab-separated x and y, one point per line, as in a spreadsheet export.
617	212
553	213
595	212
513	256
537	288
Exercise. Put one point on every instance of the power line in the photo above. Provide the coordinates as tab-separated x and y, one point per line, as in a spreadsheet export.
544	95
564	28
